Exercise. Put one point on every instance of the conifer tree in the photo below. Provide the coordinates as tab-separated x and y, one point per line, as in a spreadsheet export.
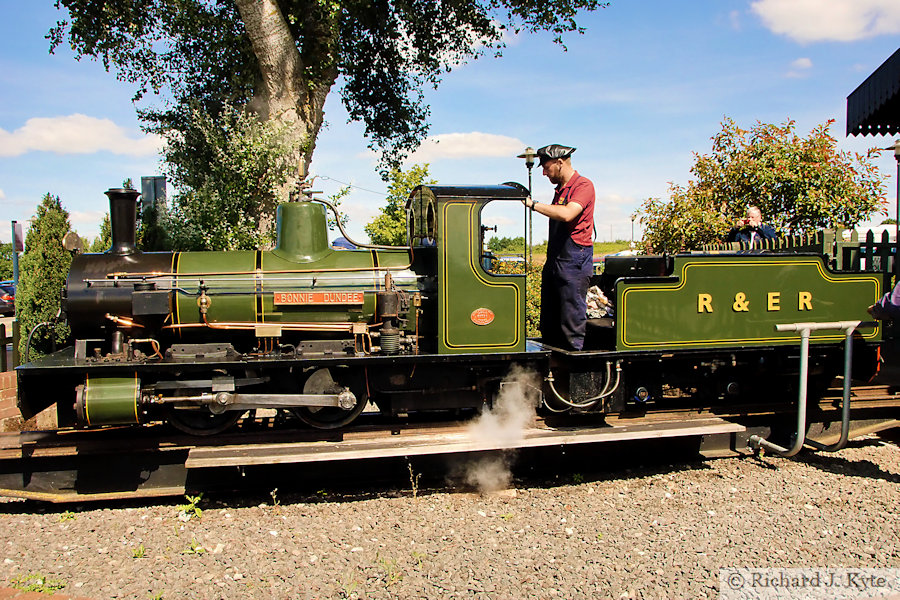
103	241
6	269
42	275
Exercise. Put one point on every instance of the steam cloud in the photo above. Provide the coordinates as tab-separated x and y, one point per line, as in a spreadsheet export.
505	424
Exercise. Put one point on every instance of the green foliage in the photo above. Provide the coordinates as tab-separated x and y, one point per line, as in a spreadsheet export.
889	222
188	511
799	184
603	248
681	222
532	291
506	244
389	228
139	552
384	53
392	572
42	276
35	582
228	171
533	300
194	548
103	242
6	261
153	230
336	199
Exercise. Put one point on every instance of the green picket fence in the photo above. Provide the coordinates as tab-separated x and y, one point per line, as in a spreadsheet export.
852	254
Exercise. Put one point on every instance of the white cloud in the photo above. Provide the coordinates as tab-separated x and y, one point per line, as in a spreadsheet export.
831	20
465	145
799	68
90	218
2	195
75	134
501	221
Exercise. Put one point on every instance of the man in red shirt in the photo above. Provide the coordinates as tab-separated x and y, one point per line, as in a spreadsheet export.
570	250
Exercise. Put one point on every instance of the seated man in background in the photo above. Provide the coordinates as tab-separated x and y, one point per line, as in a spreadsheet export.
751	228
888	308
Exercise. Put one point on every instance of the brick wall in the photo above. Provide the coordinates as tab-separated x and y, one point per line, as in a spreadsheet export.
8	409
10	418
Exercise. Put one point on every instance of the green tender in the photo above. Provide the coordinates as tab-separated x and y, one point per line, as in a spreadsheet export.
736	301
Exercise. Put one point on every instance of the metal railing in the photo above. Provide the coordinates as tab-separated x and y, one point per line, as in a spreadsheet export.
848	327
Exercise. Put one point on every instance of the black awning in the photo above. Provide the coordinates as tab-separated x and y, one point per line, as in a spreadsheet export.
874	107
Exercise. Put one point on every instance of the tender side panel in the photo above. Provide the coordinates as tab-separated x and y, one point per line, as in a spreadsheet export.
720	301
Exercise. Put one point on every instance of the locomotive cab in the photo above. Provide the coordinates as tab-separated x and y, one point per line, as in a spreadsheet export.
478	310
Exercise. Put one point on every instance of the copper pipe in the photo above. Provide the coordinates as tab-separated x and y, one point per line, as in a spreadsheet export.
124	322
152	343
418	314
249	326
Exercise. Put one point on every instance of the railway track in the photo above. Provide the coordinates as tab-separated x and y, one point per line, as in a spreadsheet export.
122	463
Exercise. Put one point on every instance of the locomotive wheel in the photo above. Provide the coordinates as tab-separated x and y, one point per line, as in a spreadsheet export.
200	421
329	417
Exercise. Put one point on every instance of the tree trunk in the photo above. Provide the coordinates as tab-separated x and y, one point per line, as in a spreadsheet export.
285	93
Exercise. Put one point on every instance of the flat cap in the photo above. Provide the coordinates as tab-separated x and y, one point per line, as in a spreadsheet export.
554	151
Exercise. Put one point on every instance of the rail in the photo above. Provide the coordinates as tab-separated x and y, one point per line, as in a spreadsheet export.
848	327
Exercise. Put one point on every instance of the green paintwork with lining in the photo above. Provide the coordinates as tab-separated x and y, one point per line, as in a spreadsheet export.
736	301
302	261
111	400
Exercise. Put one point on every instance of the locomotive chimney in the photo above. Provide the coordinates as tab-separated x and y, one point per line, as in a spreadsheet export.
122	219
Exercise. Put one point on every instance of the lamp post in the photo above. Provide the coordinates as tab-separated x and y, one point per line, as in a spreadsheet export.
632	233
529	155
17	246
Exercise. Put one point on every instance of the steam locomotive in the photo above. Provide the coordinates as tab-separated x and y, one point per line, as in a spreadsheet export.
197	339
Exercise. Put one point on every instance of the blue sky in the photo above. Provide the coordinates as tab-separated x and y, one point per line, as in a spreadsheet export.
644	88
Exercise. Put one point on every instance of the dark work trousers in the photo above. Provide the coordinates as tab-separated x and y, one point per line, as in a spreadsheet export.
564	285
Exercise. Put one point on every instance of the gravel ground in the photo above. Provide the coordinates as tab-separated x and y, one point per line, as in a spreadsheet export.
662	531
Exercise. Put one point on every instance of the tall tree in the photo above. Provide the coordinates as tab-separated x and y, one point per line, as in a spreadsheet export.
102	242
281	58
6	261
228	172
799	184
42	276
389	227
